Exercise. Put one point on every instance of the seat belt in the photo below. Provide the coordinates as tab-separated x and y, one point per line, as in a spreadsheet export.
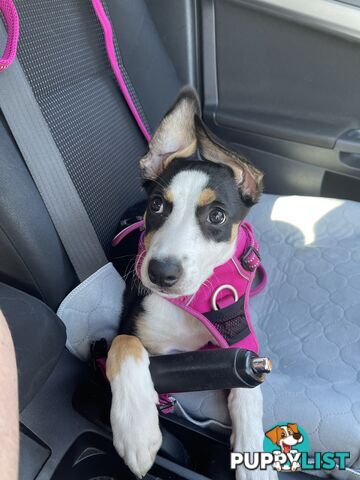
46	166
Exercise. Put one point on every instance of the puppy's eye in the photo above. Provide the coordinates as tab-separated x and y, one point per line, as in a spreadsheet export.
283	435
217	216
157	204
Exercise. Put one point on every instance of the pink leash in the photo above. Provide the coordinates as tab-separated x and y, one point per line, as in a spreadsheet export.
11	20
110	49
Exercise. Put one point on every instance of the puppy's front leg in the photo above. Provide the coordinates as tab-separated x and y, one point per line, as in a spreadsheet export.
134	417
246	412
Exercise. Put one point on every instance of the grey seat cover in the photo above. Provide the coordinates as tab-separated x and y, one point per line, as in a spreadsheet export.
307	320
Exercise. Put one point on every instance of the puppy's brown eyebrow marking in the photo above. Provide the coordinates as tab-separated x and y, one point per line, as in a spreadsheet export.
168	195
234	231
147	240
207	196
122	347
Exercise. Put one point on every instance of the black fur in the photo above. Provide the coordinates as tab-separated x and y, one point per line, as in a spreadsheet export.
221	180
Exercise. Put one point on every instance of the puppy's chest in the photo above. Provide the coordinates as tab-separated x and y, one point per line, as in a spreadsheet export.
164	328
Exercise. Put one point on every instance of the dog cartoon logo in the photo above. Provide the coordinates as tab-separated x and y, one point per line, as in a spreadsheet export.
286	448
287	439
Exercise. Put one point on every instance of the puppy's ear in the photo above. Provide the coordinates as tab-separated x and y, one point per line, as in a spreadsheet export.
294	427
175	136
248	178
274	434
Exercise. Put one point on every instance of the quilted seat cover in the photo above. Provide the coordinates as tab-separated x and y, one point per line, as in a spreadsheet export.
308	321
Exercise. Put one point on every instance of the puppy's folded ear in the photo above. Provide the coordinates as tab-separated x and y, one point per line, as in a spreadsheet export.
175	136
294	427
274	434
248	178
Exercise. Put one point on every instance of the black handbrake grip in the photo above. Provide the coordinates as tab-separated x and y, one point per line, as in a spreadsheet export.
211	369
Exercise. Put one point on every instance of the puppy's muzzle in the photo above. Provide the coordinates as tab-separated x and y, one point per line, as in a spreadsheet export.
164	273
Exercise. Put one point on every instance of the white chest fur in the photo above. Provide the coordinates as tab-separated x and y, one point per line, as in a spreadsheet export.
164	327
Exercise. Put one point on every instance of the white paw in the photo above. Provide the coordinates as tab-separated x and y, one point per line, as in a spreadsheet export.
134	420
139	440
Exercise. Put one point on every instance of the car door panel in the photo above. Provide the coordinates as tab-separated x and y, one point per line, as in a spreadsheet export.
286	88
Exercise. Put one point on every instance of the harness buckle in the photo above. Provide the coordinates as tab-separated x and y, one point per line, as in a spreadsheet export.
166	403
251	259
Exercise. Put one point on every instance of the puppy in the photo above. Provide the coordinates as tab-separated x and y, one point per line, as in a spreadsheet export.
191	222
286	437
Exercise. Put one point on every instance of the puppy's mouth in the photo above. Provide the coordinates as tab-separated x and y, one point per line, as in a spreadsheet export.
171	292
175	291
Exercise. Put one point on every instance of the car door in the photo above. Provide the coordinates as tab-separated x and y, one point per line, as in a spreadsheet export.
281	81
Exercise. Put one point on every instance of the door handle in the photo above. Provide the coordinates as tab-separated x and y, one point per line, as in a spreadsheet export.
348	146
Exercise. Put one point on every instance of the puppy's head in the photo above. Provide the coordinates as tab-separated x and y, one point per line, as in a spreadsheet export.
285	436
194	206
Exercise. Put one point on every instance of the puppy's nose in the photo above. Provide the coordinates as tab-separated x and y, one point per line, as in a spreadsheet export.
164	273
297	436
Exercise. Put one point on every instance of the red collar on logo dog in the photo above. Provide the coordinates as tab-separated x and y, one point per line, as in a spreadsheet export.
222	302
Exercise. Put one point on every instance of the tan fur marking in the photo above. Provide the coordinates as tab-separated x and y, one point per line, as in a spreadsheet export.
184	153
234	232
147	240
168	195
122	347
206	196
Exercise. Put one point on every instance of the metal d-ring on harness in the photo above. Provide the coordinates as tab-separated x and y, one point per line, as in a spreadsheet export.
220	289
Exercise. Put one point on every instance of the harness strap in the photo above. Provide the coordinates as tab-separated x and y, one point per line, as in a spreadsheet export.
110	50
11	20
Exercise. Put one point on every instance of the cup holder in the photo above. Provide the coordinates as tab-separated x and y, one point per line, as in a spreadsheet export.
93	457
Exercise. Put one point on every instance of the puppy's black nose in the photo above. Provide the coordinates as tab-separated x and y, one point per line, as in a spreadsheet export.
164	273
297	436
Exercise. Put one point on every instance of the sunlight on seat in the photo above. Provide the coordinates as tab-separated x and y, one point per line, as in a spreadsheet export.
303	213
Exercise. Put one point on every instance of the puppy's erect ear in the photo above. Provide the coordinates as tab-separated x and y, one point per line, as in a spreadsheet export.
294	427
274	434
248	178
175	136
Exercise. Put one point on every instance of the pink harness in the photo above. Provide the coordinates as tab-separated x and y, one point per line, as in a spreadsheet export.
222	302
11	20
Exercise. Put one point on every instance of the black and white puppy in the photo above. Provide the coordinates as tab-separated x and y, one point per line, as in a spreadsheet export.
191	223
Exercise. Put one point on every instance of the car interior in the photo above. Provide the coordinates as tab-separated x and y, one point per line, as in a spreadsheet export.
278	80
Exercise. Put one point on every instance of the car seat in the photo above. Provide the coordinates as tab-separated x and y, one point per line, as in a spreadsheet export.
307	320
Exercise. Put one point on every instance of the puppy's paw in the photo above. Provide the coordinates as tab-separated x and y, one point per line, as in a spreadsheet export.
134	416
137	438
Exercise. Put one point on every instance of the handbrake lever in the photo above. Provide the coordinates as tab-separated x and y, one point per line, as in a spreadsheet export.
210	369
